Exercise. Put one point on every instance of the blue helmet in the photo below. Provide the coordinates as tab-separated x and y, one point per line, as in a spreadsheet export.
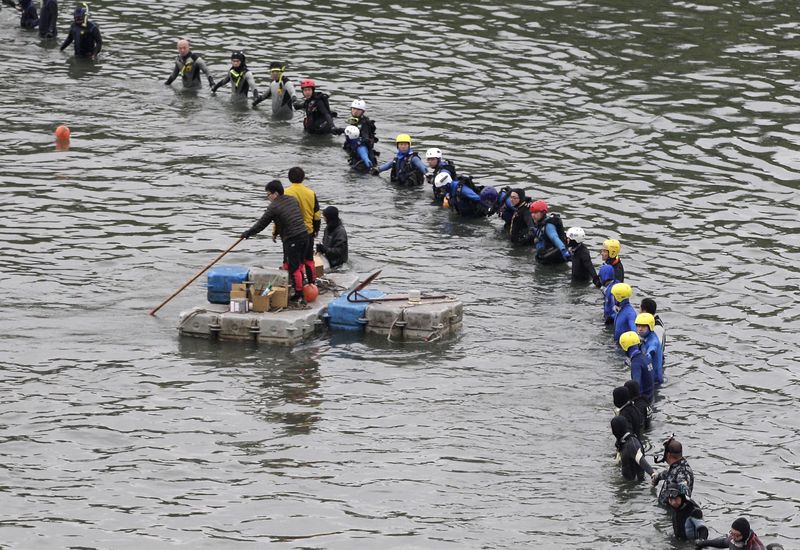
81	14
606	273
489	196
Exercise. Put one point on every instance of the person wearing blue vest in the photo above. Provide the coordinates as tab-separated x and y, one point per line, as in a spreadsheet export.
549	235
625	319
641	367
358	151
406	166
645	326
460	196
606	275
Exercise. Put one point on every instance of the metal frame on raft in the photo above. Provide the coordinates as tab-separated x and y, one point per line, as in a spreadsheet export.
355	298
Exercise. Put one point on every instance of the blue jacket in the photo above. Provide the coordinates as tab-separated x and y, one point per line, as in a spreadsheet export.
463	199
609	312
552	236
642	371
652	347
625	319
546	240
361	150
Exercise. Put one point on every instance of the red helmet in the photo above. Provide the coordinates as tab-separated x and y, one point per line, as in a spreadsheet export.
307	83
539	206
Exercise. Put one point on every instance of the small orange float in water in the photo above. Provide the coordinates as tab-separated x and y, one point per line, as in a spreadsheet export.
310	293
62	133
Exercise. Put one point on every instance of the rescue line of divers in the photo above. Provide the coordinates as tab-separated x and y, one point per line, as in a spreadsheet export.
296	216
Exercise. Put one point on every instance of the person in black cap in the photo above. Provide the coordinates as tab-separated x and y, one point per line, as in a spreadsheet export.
334	239
239	76
640	402
29	18
84	33
630	453
687	518
281	90
678	473
623	406
520	226
739	537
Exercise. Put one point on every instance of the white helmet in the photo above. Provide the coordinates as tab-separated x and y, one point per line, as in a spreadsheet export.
359	104
576	234
442	179
433	153
352	132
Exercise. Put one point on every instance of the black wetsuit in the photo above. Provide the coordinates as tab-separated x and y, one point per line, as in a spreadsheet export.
29	19
522	226
318	119
634	416
582	267
632	461
681	519
48	19
334	243
88	40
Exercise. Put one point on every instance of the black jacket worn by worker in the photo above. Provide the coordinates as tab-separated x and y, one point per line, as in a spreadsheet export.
640	402
48	19
680	517
627	409
619	270
318	119
582	267
285	212
632	461
334	239
29	18
87	39
522	227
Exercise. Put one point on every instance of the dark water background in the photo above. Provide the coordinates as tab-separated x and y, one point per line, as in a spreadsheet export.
672	126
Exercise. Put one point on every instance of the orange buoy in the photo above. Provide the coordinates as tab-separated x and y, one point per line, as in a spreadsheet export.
310	292
62	133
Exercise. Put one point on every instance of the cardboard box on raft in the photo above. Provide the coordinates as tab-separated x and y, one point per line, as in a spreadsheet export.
319	265
278	298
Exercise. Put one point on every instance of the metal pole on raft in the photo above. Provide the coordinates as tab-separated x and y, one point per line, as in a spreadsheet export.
193	279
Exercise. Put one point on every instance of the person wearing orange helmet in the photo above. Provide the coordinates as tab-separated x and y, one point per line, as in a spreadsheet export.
317	108
549	235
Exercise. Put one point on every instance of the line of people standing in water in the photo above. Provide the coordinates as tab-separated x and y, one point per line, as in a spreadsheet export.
296	216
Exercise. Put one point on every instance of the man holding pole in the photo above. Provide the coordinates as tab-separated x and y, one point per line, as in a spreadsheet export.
290	226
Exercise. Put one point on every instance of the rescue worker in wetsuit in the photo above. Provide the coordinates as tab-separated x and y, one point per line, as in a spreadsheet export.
625	319
521	227
610	255
241	79
623	406
285	212
649	305
360	138
281	90
29	17
318	115
334	239
630	454
641	368
645	326
606	275
549	235
678	473
438	165
406	166
687	518
582	267
84	34
188	66
309	206
640	402
740	537
48	19
460	195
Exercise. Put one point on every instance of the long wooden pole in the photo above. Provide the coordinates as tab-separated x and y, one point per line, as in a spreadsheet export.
193	279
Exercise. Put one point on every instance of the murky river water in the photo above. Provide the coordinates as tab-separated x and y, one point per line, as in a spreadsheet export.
673	126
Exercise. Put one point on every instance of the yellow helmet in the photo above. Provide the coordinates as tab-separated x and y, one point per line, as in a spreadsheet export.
628	339
621	291
646	319
403	138
612	245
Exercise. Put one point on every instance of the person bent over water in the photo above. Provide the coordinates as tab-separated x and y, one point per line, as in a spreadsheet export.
239	76
678	473
687	518
285	212
641	367
406	166
188	66
645	326
438	165
84	34
334	239
582	267
740	536
360	138
630	454
281	90
317	108
549	235
461	195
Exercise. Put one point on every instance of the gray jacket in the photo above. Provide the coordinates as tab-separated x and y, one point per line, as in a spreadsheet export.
283	96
